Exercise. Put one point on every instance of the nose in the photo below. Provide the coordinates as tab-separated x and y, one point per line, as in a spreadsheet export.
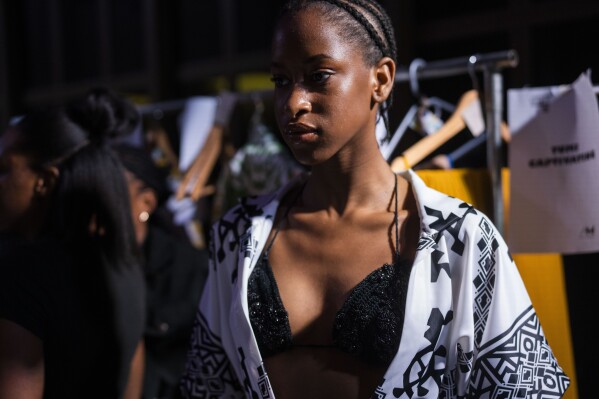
298	102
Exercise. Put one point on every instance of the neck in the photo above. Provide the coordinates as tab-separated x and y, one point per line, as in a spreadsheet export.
369	184
141	233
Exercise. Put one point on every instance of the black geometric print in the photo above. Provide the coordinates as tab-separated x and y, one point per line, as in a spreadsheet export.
464	360
223	228
484	281
246	377
518	364
422	367
209	374
238	223
379	393
452	224
226	226
437	266
263	383
426	241
248	244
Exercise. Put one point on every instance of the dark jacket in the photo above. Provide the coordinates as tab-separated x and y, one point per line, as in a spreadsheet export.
175	273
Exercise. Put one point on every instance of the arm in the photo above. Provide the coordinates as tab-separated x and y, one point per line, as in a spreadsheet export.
21	363
136	373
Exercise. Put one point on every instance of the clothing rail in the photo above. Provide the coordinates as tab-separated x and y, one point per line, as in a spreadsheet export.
158	108
491	64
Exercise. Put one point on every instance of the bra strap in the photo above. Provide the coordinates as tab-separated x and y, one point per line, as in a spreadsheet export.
278	228
396	224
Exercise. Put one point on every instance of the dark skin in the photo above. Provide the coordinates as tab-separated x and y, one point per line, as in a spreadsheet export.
24	190
340	227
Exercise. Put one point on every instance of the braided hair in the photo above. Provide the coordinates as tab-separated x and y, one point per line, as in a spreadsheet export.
364	23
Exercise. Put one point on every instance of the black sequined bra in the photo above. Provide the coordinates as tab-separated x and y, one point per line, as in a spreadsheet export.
368	325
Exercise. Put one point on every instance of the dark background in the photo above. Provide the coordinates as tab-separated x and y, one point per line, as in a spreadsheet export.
52	50
160	50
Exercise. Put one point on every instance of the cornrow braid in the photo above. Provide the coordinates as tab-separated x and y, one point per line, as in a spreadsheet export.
382	35
387	47
387	29
385	22
358	16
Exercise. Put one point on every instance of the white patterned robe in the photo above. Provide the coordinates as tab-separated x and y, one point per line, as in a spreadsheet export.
470	330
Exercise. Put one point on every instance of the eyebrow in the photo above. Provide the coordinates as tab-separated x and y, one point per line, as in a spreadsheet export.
310	60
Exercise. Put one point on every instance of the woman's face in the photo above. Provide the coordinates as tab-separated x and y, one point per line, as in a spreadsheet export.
19	186
323	90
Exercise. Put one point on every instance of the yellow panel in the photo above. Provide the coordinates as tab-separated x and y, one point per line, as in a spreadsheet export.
254	81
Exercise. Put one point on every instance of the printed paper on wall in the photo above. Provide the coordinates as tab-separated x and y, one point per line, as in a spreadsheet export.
554	169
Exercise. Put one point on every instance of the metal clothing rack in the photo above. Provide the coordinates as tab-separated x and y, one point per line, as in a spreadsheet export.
491	65
158	108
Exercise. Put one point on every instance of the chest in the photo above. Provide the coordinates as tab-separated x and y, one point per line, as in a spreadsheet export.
331	256
316	265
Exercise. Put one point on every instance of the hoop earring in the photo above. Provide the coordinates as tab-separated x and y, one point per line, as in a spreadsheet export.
143	216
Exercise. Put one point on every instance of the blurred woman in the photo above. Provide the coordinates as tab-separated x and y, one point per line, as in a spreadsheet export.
71	288
174	270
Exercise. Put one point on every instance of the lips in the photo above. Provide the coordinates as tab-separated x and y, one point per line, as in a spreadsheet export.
300	133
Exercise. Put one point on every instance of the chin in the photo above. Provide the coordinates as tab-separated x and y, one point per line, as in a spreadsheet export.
307	160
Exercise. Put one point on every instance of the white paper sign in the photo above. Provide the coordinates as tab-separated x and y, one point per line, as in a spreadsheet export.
554	169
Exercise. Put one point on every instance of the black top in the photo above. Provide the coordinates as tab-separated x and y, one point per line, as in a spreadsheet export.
175	273
89	317
368	325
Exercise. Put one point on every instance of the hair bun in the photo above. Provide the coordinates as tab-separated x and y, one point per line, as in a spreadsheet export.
104	114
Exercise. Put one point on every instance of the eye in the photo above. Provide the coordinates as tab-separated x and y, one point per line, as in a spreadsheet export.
320	76
279	81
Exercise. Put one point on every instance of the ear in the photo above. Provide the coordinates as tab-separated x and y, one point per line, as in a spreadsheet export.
383	79
47	180
148	200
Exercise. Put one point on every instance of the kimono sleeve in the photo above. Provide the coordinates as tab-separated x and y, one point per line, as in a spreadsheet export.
209	371
511	356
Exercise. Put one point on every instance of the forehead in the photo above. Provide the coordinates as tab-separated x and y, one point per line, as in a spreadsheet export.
308	33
